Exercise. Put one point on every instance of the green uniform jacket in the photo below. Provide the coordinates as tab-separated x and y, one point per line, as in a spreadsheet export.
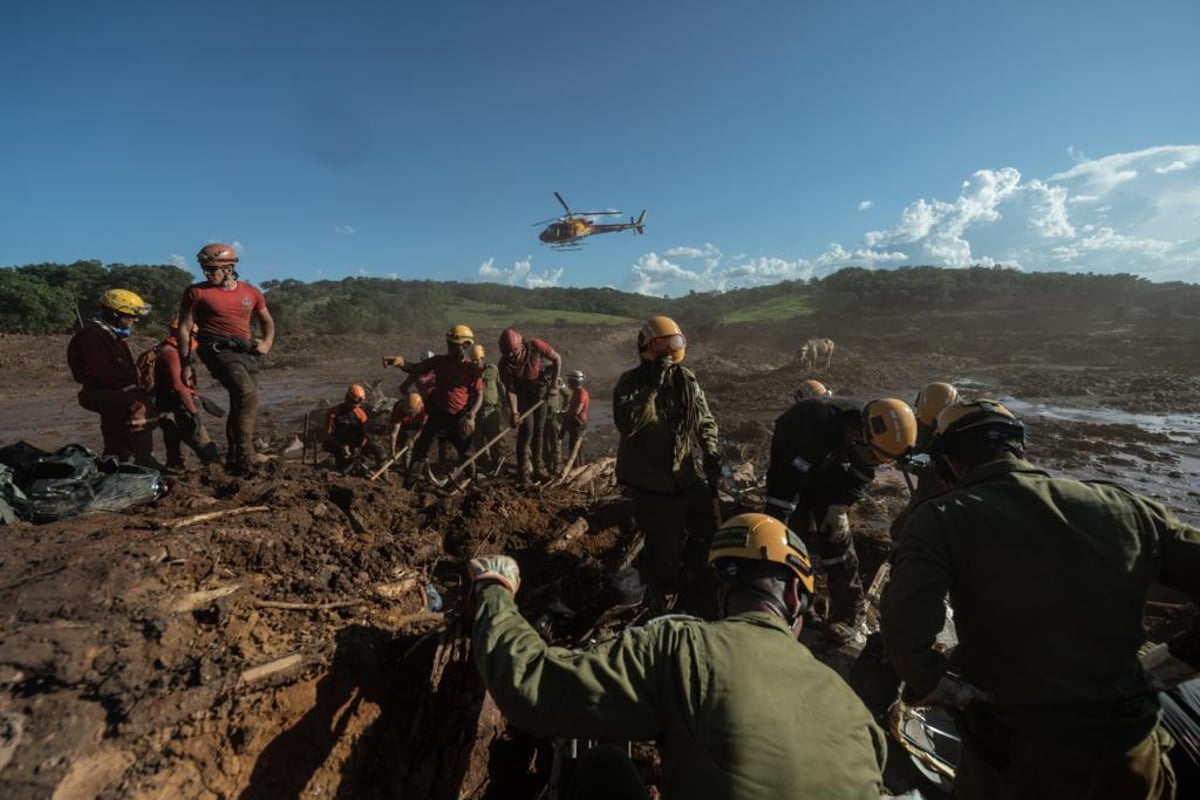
655	449
1048	577
742	708
491	385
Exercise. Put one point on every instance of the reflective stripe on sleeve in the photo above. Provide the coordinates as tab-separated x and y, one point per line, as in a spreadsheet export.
775	501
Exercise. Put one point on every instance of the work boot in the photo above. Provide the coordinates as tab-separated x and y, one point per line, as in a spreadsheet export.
209	454
143	449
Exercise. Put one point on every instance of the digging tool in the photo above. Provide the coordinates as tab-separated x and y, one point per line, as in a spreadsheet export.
562	476
454	473
210	406
384	468
304	441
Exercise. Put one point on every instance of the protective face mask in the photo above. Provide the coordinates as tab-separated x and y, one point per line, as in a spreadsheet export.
121	333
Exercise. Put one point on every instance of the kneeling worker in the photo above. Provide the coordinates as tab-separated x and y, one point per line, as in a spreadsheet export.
346	425
741	709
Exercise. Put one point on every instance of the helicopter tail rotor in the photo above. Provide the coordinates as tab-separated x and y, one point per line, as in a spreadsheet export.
639	224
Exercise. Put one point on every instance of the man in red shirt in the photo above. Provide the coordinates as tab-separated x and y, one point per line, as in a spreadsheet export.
577	414
455	399
176	400
221	307
408	417
529	370
100	360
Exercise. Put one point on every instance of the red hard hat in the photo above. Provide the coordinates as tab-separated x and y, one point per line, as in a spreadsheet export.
511	342
216	254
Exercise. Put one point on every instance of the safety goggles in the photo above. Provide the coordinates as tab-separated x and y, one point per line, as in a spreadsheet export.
209	268
667	344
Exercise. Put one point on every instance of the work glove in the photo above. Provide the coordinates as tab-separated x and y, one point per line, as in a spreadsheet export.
712	469
347	452
393	361
660	369
466	425
486	570
953	691
515	419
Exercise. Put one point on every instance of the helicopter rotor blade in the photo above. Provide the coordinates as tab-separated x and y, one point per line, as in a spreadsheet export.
546	221
563	202
598	213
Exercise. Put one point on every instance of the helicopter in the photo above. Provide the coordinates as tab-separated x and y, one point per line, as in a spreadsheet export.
568	231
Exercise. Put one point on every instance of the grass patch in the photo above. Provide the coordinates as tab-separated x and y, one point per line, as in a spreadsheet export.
787	306
486	315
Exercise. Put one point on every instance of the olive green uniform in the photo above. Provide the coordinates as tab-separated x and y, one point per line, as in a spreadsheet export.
741	709
1048	577
655	465
489	420
556	406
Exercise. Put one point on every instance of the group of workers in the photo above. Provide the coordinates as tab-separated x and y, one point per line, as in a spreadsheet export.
214	324
1047	576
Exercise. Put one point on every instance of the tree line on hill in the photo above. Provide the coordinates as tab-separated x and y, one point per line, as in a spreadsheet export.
54	298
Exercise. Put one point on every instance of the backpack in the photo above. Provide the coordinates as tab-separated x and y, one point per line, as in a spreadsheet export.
145	366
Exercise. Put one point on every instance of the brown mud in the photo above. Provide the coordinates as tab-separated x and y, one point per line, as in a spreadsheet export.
290	651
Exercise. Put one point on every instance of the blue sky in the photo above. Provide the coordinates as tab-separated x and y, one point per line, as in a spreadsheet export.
768	140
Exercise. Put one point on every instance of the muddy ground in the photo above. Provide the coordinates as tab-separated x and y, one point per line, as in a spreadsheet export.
287	650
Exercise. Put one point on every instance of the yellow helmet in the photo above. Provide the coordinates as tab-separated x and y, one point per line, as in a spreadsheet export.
414	403
932	399
659	336
889	428
812	390
974	415
758	537
477	352
125	302
460	334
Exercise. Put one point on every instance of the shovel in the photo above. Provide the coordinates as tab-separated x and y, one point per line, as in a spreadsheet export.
210	406
453	476
384	468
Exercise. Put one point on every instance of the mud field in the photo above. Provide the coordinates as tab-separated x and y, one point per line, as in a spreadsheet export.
287	650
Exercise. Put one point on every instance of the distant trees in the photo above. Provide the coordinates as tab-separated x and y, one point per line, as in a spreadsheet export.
51	298
41	298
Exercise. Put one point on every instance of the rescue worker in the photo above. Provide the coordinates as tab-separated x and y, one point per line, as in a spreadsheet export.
101	361
661	414
930	402
346	426
811	389
529	370
575	423
408	417
741	709
1048	579
823	457
452	405
178	415
222	307
556	409
422	383
489	420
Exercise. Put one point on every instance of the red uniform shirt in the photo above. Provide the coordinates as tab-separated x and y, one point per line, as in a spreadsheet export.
578	405
222	312
530	367
422	383
406	421
99	359
454	381
168	375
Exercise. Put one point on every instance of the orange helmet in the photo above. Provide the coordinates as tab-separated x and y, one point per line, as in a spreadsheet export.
216	255
356	393
660	336
889	428
932	399
414	403
758	537
812	390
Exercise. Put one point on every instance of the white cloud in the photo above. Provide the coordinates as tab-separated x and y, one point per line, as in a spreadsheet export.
344	229
179	261
1125	212
865	205
1174	166
520	274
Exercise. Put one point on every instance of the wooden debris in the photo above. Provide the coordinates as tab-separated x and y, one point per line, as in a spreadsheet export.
186	521
568	534
394	591
197	600
264	671
306	606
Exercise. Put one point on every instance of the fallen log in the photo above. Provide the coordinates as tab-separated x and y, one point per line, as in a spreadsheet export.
568	534
228	512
